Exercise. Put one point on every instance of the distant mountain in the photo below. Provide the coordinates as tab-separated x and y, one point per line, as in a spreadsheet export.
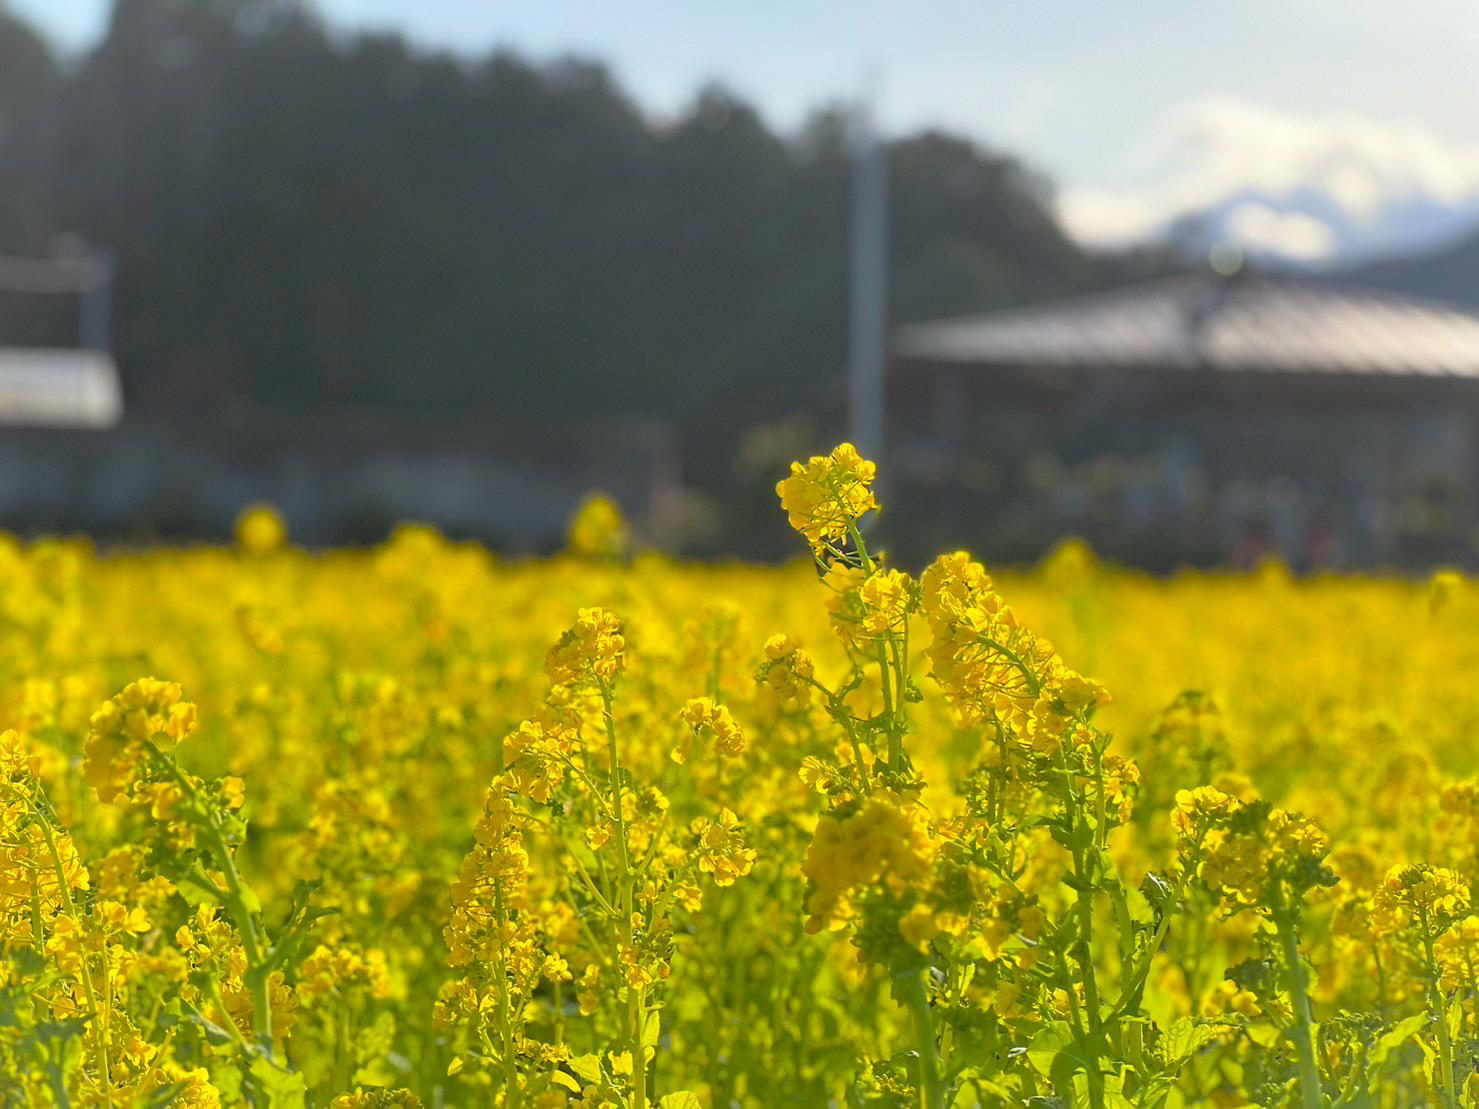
1307	227
1451	273
1321	192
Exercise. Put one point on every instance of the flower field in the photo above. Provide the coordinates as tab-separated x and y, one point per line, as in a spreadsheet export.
414	825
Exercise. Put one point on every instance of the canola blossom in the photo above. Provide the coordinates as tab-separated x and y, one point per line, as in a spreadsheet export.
417	825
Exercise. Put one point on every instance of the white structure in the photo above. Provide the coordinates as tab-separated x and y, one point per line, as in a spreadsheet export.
58	388
62	387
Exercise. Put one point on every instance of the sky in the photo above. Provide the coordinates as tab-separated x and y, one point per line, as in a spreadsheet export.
1314	128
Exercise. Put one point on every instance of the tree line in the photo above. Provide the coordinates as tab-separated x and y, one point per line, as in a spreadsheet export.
308	219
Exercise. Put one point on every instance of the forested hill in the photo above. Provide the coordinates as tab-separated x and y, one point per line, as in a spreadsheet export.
306	218
1449	273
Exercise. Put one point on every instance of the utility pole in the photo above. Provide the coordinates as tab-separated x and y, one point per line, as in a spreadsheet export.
868	284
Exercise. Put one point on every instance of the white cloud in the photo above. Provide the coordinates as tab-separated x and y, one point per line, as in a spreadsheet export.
1260	229
1307	187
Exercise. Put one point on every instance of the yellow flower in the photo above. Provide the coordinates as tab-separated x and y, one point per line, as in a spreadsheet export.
721	848
592	650
588	990
1457	952
115	918
535	759
597	529
146	711
1230	998
885	601
1200	810
828	494
260	530
788	670
711	721
885	840
376	1099
865	607
233	792
1426	899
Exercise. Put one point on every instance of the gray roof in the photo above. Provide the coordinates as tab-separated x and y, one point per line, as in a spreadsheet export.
58	388
1245	324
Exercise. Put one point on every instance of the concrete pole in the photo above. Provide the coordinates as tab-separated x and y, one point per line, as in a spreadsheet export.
868	285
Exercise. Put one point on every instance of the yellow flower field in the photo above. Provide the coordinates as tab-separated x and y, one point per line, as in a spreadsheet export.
418	825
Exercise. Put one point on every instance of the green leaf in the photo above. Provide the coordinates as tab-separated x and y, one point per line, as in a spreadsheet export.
1114	1092
213	1031
587	1067
1399	1034
277	1088
1385	1053
26	963
1184	1039
161	1098
1125	921
680	1100
1132	1031
652	1029
250	901
1061	833
61	1046
196	887
373	1050
1055	1053
1264	1035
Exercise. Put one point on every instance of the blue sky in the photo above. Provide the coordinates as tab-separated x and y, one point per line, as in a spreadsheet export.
1135	108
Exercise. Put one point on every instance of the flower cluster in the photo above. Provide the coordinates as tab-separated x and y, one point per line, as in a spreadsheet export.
826	496
713	723
885	841
147	715
598	529
593	650
1248	853
905	851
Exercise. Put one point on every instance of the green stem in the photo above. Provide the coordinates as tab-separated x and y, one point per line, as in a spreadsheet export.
1083	952
258	972
92	998
895	732
511	1091
932	1087
38	930
838	712
1440	1008
1129	1001
1083	949
633	1017
342	1058
228	1022
1299	1031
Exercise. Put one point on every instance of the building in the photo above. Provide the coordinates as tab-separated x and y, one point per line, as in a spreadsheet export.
72	460
338	477
1195	419
61	386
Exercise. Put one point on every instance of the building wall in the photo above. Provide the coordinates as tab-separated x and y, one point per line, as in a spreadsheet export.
1163	471
336	478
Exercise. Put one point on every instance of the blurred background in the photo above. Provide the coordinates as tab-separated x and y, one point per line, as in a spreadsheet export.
1196	285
